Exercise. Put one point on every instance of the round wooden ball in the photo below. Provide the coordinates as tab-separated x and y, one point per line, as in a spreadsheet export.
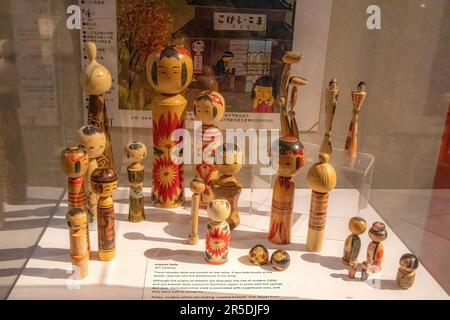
280	260
258	255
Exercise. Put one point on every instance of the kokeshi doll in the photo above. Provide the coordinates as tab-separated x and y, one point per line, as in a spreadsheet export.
197	186
104	184
96	81
218	234
169	71
227	186
209	108
290	161
75	163
77	221
296	83
331	97
365	270
136	152
352	244
407	271
351	144
375	249
321	179
93	140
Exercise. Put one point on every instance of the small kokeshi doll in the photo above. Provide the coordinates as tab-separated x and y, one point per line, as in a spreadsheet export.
77	221
96	81
258	255
209	108
280	260
351	143
227	186
375	249
218	233
136	152
321	179
352	245
291	159
104	184
331	97
352	268
365	270
169	72
93	140
407	271
264	95
197	186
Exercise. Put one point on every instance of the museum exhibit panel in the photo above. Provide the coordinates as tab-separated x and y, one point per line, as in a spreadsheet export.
262	149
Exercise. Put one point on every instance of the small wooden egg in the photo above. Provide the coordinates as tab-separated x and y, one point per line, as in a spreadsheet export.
280	260
258	255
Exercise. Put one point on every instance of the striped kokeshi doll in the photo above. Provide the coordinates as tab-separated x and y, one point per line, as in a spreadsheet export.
375	249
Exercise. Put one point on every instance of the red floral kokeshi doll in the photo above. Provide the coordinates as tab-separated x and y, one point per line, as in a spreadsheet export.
218	233
169	71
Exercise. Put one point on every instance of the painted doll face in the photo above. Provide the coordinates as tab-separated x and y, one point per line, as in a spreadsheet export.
136	151
209	107
291	157
76	218
170	69
263	93
409	262
219	210
104	181
93	139
378	232
197	186
74	161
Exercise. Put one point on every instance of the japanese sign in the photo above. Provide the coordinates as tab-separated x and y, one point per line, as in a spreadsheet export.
239	21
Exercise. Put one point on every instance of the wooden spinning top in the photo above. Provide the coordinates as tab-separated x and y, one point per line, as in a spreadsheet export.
95	78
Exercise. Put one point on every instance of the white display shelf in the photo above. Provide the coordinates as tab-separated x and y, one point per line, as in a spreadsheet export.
161	239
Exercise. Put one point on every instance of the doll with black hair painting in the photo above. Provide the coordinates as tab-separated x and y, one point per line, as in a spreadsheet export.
263	95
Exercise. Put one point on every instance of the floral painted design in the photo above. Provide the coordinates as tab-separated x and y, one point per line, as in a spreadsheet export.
217	242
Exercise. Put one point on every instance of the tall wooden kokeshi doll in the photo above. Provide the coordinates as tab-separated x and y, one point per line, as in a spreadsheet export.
169	71
104	184
375	250
407	271
136	152
96	81
77	221
331	97
209	108
321	179
93	140
197	186
290	161
352	244
218	234
75	163
227	186
351	144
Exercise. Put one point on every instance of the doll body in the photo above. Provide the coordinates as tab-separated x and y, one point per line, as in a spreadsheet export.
77	221
352	244
197	186
375	250
136	152
331	97
218	233
351	143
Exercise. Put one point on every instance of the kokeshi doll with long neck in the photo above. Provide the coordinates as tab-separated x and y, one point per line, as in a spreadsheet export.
290	161
331	97
136	152
218	233
96	81
375	250
358	96
407	271
169	71
197	186
209	108
104	184
77	221
75	163
227	186
352	244
321	179
93	140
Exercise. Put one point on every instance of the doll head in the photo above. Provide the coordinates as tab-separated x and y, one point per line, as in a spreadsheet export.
378	232
95	78
357	225
231	159
209	107
197	185
362	86
409	262
104	181
93	139
219	210
227	56
135	151
332	85
76	219
322	176
264	89
74	161
290	157
170	69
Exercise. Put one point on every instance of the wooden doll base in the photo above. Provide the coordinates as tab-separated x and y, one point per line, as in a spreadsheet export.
107	255
215	262
80	267
193	239
314	241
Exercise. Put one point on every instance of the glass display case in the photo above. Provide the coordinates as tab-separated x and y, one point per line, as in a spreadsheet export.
397	180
